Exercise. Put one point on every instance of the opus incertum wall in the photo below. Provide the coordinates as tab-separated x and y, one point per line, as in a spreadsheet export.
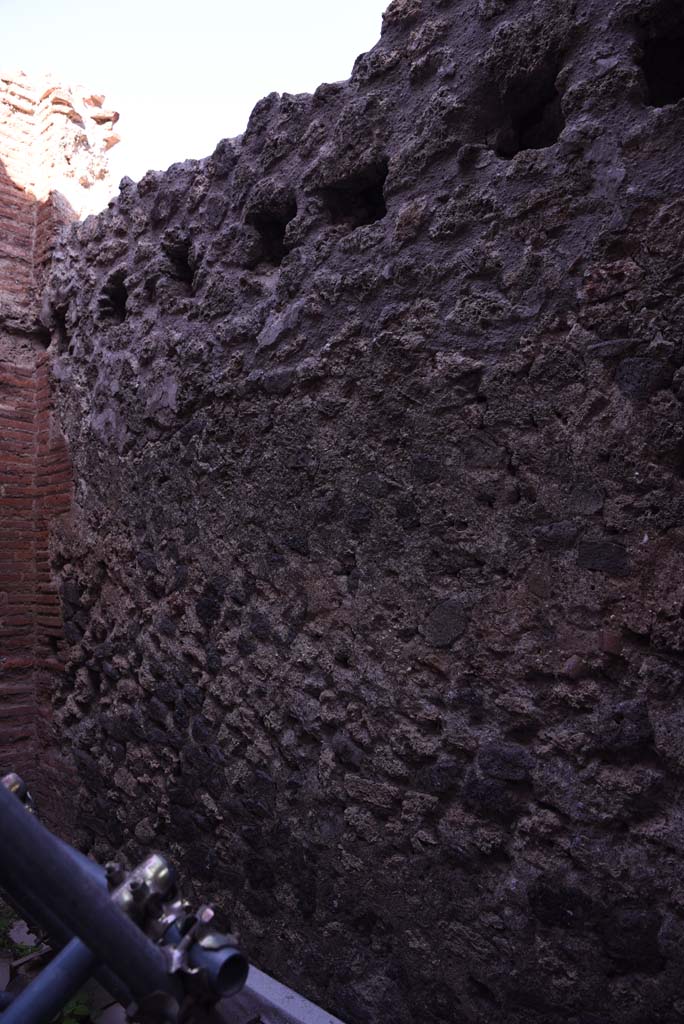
374	583
51	165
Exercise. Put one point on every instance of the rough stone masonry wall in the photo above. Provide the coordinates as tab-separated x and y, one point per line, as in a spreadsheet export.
51	167
374	583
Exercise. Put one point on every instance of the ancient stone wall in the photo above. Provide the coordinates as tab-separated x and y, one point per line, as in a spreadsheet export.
373	586
52	166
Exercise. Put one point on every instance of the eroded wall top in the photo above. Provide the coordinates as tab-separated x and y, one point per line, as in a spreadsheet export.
53	169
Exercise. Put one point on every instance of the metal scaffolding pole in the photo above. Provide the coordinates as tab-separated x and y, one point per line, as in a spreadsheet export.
34	860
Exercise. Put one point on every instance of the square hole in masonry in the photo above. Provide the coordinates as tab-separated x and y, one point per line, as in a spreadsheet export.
271	225
113	299
662	61
178	254
358	199
535	117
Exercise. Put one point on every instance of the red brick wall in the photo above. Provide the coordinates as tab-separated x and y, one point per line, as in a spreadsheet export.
17	564
34	487
37	129
53	494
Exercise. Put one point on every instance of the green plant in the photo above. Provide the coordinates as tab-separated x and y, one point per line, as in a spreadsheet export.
76	1011
6	922
7	944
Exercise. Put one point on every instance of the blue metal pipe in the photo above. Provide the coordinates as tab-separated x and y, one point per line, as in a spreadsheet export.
53	988
31	856
225	969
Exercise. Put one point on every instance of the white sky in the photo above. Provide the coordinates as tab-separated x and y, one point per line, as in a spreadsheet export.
185	73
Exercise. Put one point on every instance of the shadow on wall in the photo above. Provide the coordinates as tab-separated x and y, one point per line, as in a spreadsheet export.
35	486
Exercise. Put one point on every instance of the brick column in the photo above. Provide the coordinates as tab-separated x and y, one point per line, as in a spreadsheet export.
17	564
46	174
53	494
